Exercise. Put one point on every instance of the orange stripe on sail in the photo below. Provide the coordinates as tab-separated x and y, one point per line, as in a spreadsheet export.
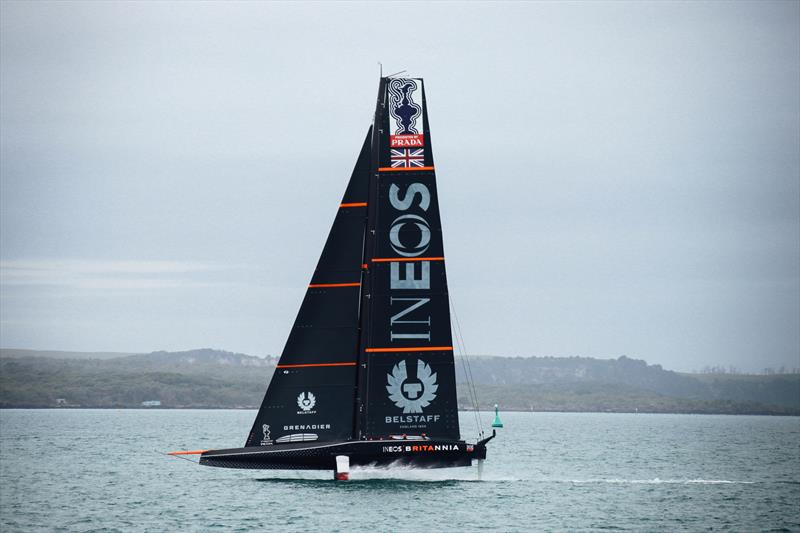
354	204
390	259
188	452
324	285
403	169
417	349
308	365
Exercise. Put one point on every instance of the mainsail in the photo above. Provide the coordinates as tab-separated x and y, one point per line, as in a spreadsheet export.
370	354
407	378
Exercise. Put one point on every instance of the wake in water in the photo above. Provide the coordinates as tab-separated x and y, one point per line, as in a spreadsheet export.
656	481
407	473
467	474
391	472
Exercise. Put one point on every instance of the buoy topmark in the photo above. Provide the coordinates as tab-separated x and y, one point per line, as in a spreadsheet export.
497	423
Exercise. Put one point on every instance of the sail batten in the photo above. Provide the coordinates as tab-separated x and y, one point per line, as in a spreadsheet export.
311	365
402	169
404	259
413	349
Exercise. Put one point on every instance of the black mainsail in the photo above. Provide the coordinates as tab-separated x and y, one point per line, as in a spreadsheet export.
367	372
408	381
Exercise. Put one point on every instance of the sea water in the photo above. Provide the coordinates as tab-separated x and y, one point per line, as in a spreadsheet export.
104	470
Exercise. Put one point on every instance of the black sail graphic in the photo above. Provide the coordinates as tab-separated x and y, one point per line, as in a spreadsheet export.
406	379
311	395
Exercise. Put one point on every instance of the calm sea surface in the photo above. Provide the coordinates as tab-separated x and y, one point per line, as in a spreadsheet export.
102	470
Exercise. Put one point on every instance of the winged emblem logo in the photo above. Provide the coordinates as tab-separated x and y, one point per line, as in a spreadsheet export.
306	401
409	394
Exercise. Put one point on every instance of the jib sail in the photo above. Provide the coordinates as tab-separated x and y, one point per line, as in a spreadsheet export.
406	381
311	395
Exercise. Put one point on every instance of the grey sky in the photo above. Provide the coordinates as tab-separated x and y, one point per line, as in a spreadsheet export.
614	178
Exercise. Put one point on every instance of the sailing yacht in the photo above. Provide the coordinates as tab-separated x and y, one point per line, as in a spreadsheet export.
367	375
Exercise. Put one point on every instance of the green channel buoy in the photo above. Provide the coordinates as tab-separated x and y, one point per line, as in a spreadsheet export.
497	423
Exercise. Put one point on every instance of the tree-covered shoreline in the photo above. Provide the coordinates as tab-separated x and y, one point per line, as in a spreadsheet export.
209	379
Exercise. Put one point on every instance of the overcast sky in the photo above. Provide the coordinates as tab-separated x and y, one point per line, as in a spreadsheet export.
615	178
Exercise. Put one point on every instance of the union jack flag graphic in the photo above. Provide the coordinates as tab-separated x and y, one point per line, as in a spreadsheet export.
408	157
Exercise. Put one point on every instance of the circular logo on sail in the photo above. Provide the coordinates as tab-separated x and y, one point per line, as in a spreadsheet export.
412	226
409	393
306	401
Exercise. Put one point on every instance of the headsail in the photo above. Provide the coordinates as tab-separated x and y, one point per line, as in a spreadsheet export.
407	377
310	397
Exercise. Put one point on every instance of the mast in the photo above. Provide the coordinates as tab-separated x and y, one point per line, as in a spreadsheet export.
369	238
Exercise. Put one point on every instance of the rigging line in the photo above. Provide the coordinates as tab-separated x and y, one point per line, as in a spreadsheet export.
470	393
472	398
475	406
469	366
471	381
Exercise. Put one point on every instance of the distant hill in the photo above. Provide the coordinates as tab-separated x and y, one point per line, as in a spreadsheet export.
776	389
55	354
567	373
636	373
214	378
194	378
195	361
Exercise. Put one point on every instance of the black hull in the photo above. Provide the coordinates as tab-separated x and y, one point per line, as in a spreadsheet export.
322	456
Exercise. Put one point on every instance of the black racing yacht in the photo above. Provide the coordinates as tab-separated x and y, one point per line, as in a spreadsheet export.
367	375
